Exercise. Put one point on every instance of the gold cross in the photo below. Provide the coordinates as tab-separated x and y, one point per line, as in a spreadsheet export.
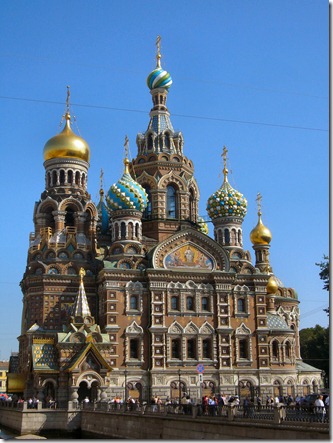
158	54
224	156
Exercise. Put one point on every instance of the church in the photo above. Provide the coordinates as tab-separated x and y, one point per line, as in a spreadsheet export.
130	296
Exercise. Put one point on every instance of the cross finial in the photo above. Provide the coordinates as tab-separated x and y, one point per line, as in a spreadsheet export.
224	156
101	178
101	191
126	161
258	200
82	274
68	97
126	146
158	52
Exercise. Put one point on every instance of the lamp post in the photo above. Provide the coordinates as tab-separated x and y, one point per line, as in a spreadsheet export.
125	386
179	385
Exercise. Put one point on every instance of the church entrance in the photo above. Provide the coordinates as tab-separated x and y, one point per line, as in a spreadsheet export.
84	391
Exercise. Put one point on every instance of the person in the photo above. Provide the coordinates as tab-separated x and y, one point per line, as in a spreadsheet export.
246	407
320	408
259	402
327	403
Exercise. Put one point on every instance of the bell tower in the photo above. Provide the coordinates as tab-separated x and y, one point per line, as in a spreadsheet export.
161	167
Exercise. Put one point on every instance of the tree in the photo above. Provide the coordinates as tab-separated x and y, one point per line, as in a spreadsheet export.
324	275
315	347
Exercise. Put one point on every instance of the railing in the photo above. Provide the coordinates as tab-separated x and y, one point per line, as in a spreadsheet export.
254	413
280	413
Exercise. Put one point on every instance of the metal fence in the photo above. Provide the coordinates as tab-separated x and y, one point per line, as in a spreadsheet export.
277	413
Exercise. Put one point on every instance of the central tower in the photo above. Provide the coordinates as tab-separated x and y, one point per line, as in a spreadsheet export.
161	167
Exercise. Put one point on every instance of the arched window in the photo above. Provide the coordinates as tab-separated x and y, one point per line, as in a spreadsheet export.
171	202
70	177
288	349
62	177
191	205
191	348
148	211
134	348
241	305
150	141
275	349
123	230
243	348
175	348
207	348
69	217
167	140
204	304
226	236
134	302
189	303
174	303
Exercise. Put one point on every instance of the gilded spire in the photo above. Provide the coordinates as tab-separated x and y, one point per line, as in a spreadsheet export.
225	170
158	51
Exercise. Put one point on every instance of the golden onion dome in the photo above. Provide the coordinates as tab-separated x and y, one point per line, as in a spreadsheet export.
67	144
260	234
272	285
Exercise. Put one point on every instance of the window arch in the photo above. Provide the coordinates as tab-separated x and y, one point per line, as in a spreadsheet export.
226	236
174	303
189	303
275	349
204	304
171	206
134	302
241	307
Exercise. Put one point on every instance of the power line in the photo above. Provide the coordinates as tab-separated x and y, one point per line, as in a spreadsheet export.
199	117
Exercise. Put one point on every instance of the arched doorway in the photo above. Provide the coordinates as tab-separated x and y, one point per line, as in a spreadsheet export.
177	390
277	389
49	392
246	389
208	388
135	391
84	391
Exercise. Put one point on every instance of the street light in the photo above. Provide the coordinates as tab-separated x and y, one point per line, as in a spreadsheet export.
179	385
125	387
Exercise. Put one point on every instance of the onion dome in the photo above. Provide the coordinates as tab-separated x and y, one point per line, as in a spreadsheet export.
159	78
67	144
226	202
272	285
203	227
260	235
127	193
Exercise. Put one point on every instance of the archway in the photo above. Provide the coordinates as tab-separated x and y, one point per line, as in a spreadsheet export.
84	391
246	389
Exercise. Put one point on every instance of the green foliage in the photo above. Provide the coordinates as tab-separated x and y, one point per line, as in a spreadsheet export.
324	273
315	347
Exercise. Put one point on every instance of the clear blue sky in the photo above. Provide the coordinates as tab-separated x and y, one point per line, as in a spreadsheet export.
251	75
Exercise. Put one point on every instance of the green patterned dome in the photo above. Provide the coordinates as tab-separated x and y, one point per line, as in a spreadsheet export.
127	193
227	202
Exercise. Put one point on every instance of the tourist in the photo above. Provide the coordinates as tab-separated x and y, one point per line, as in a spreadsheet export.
320	408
